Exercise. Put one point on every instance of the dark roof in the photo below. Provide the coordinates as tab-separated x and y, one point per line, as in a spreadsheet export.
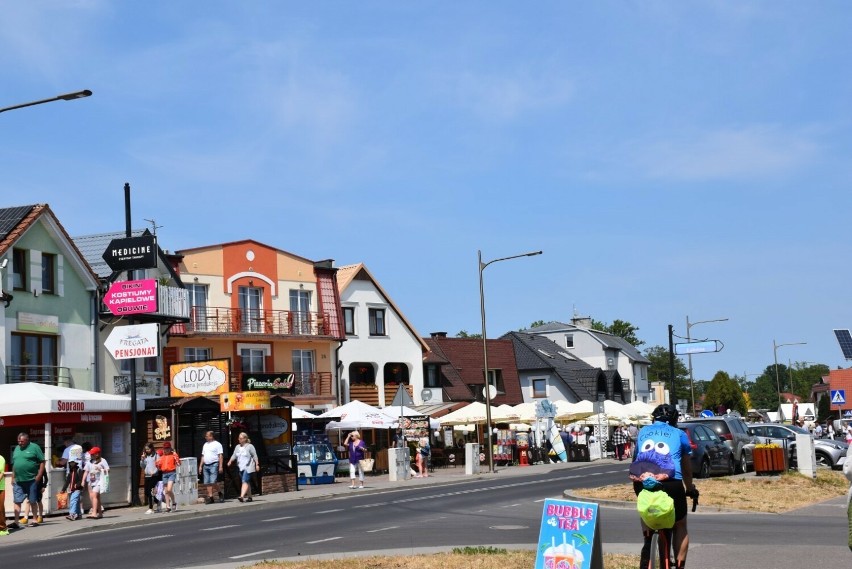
11	217
92	248
605	338
538	353
454	388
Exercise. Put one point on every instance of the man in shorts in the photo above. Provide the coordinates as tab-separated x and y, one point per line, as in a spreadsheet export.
211	464
662	461
27	474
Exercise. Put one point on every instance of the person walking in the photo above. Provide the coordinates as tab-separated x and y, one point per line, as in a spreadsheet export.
423	452
245	456
168	463
619	440
357	451
97	481
27	472
831	430
148	464
633	435
74	480
212	461
4	531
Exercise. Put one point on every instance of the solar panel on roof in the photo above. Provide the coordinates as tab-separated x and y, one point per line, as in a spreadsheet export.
10	217
844	338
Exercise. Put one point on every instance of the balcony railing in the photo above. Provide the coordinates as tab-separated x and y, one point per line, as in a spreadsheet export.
236	321
48	375
172	302
316	384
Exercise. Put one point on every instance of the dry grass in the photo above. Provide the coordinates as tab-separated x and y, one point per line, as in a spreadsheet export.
501	559
773	494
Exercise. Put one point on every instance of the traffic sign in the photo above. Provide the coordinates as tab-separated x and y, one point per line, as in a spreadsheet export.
707	413
132	297
705	347
838	397
132	253
128	342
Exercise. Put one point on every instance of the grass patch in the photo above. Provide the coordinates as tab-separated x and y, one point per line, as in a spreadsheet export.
489	559
770	494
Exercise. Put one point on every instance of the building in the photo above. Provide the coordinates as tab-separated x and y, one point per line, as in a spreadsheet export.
273	314
382	349
49	297
601	349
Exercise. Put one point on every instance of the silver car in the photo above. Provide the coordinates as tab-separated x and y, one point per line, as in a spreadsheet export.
829	453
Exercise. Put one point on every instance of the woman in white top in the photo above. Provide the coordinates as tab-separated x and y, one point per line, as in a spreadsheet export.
97	481
246	457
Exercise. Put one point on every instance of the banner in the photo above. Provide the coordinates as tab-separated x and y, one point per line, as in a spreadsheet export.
209	377
244	401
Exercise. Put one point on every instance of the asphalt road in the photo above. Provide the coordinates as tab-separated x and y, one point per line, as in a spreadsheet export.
478	512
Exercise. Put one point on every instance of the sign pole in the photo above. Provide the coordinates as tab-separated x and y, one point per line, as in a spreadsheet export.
134	451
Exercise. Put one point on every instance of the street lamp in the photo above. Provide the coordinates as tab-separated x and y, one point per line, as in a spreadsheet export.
775	355
485	349
689	356
65	97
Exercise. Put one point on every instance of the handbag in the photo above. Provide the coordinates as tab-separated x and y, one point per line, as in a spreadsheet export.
62	500
367	464
105	483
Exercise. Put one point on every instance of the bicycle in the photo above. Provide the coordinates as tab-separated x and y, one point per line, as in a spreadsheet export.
661	541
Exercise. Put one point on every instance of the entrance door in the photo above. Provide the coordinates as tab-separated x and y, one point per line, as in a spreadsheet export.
300	311
251	309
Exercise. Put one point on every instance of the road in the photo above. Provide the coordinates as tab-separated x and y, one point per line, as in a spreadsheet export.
487	511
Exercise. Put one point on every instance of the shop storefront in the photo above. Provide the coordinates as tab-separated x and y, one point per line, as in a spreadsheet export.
49	414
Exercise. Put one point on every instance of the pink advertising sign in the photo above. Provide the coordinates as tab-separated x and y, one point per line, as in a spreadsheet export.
132	297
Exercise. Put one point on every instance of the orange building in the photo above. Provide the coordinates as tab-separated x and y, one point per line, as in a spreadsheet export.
840	380
275	315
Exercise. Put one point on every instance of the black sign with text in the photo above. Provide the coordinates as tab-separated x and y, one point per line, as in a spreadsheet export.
132	253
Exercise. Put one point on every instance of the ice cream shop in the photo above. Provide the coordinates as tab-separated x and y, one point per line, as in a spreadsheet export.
50	414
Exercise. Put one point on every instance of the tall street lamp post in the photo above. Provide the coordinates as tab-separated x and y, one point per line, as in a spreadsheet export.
689	356
775	355
485	350
65	97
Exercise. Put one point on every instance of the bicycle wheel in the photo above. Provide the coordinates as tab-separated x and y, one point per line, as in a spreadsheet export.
664	540
653	559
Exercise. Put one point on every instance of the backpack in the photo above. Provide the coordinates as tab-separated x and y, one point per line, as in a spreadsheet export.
656	509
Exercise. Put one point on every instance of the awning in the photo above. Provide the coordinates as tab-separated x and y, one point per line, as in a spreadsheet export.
29	398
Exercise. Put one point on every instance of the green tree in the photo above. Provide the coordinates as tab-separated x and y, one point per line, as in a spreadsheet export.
464	334
537	323
724	392
620	328
659	371
764	391
824	408
803	376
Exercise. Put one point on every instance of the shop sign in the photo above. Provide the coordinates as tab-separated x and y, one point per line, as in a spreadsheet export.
161	428
138	341
132	253
132	297
244	401
272	382
209	377
67	418
273	426
90	418
414	427
568	536
45	323
66	406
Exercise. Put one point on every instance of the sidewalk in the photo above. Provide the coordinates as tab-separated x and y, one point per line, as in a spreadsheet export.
57	525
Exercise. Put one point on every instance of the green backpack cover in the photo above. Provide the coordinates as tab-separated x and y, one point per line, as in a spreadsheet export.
656	509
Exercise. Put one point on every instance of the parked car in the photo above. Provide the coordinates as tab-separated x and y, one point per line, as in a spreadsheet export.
829	453
710	454
734	431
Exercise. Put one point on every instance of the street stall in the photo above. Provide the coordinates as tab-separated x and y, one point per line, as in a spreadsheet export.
371	422
49	414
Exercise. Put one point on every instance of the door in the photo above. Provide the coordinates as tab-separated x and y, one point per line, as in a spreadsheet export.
251	309
300	311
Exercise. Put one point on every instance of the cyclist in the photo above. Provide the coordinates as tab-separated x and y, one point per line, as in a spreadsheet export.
662	461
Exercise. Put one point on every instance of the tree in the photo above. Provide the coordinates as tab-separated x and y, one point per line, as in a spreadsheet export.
763	393
620	328
537	323
723	392
659	371
824	408
804	377
464	334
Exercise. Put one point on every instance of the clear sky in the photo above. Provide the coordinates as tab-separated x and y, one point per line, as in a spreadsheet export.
671	159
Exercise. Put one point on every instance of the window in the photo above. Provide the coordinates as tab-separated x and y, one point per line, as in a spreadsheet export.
396	372
495	378
433	376
19	269
569	340
539	387
48	273
377	322
303	368
137	274
197	354
149	365
252	360
33	358
349	320
362	373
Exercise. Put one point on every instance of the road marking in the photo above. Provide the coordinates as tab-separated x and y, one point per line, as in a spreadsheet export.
382	529
373	505
613	471
330	511
322	540
511	506
150	538
279	519
252	554
62	552
542	500
220	527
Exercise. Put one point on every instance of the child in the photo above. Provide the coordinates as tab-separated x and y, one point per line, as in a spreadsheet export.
74	486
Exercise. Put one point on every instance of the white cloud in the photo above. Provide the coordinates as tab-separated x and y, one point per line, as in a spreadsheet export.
506	96
745	152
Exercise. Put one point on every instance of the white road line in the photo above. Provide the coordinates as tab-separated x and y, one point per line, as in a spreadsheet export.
373	505
78	549
330	511
542	500
279	519
220	527
382	529
252	554
322	540
511	506
150	538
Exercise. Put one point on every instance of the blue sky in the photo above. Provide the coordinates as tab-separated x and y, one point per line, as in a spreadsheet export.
669	158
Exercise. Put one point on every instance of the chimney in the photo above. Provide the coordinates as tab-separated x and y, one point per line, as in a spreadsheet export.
436	335
582	322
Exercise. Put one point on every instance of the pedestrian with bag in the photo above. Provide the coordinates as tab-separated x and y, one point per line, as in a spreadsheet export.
167	463
73	488
148	464
97	481
245	456
211	464
357	451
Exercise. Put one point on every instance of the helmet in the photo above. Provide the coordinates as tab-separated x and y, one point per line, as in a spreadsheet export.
665	413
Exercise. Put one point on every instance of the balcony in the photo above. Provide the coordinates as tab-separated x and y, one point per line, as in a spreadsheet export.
48	375
310	385
213	321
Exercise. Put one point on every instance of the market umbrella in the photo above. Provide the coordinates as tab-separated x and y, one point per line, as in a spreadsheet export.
471	413
358	415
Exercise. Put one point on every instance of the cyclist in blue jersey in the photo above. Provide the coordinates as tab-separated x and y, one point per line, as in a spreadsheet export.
662	461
